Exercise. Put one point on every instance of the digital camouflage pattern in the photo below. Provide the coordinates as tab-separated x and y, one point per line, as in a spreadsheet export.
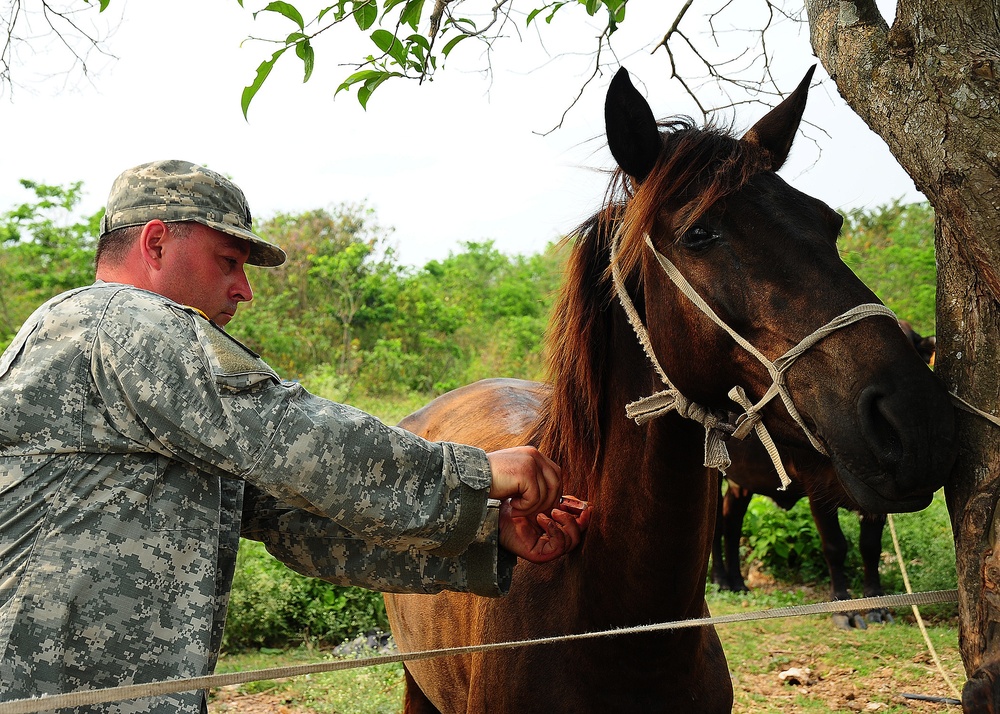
174	190
138	441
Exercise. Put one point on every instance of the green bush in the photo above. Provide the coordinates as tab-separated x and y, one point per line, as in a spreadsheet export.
788	547
925	539
272	606
891	248
785	542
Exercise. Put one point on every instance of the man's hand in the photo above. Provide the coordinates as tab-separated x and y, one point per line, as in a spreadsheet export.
531	524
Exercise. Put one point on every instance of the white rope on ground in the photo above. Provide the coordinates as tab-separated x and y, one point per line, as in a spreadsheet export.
916	611
138	691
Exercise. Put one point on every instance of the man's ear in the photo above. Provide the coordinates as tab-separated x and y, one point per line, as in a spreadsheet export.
151	241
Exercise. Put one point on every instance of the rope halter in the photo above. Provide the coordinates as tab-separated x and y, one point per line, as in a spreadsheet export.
717	425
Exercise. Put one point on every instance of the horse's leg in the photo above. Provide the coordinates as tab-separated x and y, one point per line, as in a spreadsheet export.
835	552
870	545
718	566
734	510
414	700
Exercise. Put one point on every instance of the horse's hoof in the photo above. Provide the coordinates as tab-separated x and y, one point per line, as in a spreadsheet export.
841	621
881	615
858	621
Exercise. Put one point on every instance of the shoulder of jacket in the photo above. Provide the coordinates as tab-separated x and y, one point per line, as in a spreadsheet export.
227	355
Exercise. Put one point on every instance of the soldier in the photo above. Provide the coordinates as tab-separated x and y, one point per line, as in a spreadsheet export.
138	441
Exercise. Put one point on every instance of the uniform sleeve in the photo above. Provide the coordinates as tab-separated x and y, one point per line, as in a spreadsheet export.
318	547
175	384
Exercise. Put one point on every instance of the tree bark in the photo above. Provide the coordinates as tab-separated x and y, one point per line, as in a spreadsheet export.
928	86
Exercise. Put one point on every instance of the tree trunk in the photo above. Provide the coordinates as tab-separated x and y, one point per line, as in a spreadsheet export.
928	86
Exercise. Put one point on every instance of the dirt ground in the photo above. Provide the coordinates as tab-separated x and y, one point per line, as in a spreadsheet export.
231	700
840	690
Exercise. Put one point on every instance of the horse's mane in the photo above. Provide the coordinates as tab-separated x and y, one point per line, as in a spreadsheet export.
696	168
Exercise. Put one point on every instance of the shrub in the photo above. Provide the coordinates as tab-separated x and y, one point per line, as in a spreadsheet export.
272	606
785	542
925	539
788	547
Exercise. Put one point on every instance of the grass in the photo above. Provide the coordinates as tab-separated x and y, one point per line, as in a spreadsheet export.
851	670
855	670
371	690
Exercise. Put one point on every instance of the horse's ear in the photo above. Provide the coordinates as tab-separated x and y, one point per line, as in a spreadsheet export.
633	136
776	130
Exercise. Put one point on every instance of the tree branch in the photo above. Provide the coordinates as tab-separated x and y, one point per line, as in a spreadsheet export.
59	22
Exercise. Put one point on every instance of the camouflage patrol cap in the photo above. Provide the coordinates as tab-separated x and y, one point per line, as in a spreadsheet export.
175	191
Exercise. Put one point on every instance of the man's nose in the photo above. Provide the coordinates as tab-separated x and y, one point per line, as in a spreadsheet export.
242	292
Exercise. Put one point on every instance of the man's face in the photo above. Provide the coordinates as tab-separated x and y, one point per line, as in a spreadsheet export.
205	269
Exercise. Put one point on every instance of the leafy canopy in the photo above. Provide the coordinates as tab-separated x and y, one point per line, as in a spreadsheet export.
401	49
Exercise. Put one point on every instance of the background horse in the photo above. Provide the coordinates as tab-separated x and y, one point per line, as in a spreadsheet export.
812	477
763	257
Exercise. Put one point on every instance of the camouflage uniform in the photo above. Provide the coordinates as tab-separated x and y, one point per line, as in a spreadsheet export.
138	442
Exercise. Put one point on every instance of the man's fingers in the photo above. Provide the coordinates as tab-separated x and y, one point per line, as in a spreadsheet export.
571	526
532	479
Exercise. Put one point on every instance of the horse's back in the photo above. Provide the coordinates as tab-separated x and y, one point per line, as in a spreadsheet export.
491	414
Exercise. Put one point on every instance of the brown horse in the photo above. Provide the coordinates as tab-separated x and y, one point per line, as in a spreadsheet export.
763	257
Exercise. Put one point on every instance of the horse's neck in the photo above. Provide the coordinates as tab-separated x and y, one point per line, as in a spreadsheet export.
654	517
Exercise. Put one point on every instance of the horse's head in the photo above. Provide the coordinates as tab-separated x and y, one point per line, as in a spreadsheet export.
763	257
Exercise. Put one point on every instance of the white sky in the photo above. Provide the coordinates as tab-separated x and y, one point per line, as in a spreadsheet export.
457	159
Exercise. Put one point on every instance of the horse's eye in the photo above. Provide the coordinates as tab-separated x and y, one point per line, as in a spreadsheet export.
698	238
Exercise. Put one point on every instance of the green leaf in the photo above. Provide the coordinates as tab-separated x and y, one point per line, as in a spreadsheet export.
365	92
389	4
305	52
452	43
339	11
365	13
420	41
370	86
593	6
360	76
390	44
616	8
412	12
287	10
459	21
263	70
418	47
555	7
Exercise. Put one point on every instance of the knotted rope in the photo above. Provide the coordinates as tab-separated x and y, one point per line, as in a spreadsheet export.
716	424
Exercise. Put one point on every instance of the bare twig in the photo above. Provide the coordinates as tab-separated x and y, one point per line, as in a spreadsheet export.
59	22
673	27
601	40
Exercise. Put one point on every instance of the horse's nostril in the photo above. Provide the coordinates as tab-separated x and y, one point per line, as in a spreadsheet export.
880	429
